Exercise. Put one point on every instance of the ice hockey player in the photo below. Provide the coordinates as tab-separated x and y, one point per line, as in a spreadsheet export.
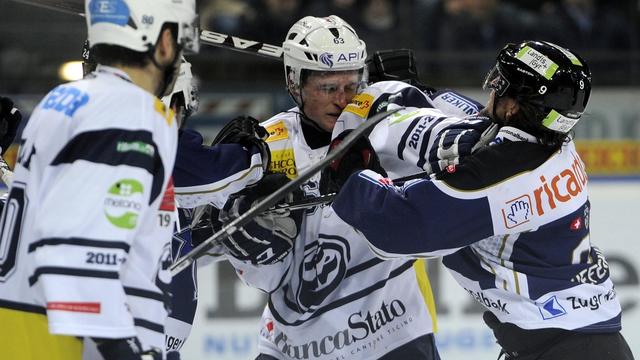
513	217
87	247
329	297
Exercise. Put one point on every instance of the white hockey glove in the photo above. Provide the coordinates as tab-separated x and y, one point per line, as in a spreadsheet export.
462	139
269	237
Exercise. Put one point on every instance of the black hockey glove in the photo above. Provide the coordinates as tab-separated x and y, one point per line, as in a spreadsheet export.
453	144
359	156
10	118
246	131
395	64
269	237
125	349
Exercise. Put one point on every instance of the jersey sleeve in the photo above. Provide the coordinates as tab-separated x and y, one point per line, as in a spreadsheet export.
100	191
209	174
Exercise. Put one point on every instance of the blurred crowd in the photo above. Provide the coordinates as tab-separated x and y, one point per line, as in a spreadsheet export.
455	41
441	25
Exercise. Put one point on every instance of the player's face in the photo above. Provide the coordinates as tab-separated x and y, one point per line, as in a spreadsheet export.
326	95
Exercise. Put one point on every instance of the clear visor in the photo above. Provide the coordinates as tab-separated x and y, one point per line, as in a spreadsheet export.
189	36
329	84
496	81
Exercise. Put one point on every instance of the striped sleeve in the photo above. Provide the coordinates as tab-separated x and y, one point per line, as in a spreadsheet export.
99	190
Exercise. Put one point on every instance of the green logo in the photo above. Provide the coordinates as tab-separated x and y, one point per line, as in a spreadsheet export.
123	203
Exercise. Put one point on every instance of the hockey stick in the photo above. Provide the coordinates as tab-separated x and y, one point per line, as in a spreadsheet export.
212	38
185	261
325	199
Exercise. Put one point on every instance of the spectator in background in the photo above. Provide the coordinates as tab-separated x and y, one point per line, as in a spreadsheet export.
345	9
587	25
227	16
476	27
379	19
273	19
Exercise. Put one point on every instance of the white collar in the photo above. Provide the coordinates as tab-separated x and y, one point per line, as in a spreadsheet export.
104	69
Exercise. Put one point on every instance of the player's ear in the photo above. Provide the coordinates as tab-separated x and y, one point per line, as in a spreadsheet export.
166	46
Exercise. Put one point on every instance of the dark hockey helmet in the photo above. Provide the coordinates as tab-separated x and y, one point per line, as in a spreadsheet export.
555	80
88	60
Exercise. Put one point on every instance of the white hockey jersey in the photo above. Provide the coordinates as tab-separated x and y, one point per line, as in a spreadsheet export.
330	298
86	230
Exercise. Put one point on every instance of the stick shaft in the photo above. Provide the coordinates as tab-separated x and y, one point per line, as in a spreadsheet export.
185	261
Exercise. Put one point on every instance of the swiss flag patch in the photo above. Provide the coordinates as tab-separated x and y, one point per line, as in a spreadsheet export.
451	169
576	224
169	198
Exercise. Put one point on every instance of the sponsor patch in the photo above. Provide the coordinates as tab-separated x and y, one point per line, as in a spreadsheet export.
109	11
123	203
537	61
551	308
284	161
136	146
278	131
83	307
360	105
558	122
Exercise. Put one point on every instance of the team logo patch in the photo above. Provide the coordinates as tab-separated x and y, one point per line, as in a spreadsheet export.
517	212
278	131
123	203
109	11
360	105
327	59
551	308
323	268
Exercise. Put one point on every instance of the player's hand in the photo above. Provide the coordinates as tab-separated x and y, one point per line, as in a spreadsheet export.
10	118
125	349
246	130
458	141
359	156
268	238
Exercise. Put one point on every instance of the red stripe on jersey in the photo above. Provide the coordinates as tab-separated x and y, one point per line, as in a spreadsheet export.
84	307
169	198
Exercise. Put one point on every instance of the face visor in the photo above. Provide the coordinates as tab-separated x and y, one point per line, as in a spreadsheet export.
496	81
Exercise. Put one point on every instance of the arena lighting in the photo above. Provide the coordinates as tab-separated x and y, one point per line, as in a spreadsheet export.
71	70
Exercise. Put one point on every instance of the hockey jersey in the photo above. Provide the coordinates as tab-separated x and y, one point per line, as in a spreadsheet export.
515	229
86	229
330	297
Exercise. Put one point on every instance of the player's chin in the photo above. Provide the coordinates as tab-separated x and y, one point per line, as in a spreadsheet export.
329	121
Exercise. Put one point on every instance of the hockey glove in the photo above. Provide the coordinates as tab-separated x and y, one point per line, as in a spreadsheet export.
246	131
458	141
359	156
10	118
395	64
269	237
125	349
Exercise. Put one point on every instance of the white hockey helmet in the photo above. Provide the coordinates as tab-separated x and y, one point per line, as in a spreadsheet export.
136	24
186	86
321	44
